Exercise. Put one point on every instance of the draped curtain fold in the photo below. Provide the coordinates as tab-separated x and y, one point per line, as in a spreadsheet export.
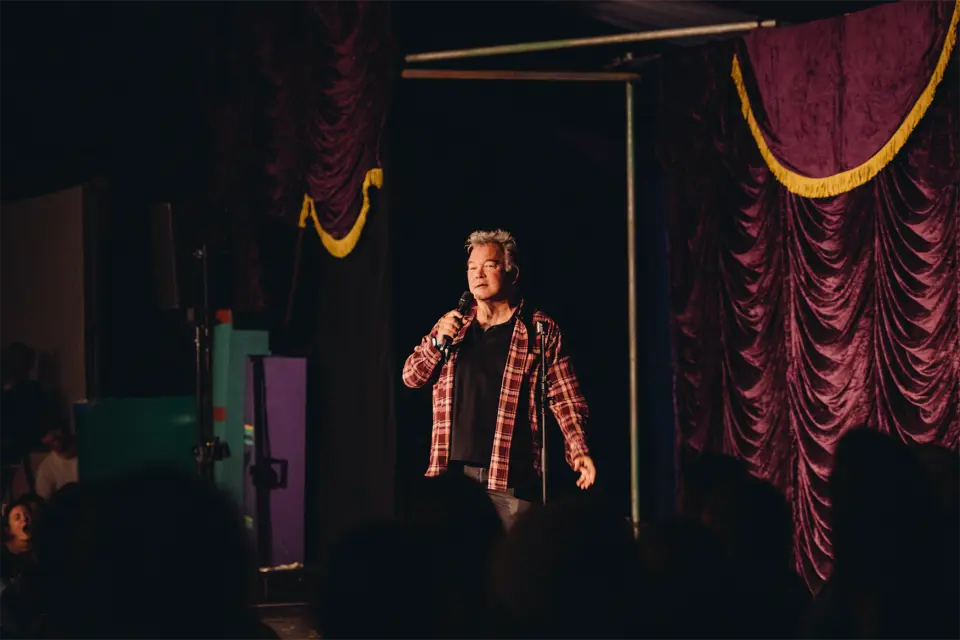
343	131
282	43
304	90
796	319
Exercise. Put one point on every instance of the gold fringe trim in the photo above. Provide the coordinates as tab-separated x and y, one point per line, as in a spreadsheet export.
341	248
852	178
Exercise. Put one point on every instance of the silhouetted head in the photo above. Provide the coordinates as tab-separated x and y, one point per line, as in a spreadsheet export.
376	585
882	507
158	554
754	523
457	514
688	573
458	518
679	548
709	477
568	569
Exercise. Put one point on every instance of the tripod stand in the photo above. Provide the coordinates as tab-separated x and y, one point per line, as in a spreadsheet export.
208	449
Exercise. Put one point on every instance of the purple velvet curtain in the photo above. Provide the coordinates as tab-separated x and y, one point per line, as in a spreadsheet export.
344	129
797	319
304	91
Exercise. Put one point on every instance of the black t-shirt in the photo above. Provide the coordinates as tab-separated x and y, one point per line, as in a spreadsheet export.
481	361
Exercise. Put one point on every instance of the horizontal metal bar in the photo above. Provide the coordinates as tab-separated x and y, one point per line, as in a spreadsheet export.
622	38
554	76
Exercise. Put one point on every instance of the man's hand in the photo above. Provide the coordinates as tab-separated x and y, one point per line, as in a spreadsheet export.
588	472
449	326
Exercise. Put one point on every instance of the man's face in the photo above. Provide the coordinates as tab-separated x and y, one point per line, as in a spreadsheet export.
485	273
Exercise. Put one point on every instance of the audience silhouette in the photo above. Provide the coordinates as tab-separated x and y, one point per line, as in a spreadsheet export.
161	554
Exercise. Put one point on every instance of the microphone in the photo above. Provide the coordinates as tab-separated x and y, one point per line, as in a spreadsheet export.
466	301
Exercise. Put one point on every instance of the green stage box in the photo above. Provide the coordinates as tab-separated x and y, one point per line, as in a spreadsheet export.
232	347
116	435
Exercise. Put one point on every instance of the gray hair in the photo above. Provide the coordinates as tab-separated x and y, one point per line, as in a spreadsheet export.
499	237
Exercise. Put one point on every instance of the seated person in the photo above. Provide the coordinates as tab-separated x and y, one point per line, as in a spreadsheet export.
17	556
17	531
60	467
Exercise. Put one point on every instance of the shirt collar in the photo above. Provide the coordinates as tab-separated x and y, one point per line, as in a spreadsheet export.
518	313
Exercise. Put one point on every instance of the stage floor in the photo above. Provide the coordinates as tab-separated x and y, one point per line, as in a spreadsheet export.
292	622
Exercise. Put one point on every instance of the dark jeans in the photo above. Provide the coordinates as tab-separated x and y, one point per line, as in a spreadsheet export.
509	506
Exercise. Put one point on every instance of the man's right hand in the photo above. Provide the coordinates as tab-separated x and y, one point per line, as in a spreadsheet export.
449	326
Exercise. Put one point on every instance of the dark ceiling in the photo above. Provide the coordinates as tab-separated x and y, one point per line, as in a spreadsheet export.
644	14
433	26
85	84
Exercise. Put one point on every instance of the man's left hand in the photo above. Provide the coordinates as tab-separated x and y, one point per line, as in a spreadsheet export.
588	472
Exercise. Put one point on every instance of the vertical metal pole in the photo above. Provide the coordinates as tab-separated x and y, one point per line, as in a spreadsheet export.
632	316
201	318
542	335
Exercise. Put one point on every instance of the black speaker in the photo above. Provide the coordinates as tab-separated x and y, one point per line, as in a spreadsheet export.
139	341
164	257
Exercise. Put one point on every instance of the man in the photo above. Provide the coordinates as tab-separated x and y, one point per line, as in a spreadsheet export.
486	390
60	467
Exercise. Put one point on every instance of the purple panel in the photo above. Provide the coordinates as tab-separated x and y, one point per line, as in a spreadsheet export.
286	400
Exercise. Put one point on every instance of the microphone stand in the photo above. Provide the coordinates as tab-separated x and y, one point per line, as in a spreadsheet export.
541	332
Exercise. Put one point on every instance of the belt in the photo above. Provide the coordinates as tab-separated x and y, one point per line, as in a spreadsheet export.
480	474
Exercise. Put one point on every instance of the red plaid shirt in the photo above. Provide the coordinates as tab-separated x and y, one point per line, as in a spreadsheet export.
425	366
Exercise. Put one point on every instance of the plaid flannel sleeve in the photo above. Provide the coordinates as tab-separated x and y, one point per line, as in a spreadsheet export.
566	401
421	366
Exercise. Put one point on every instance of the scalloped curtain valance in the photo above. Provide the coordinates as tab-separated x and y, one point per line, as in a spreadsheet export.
830	103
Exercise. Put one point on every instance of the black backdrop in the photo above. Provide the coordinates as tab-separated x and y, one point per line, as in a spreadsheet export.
547	162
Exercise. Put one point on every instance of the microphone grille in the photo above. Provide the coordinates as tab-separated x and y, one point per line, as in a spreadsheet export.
465	301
